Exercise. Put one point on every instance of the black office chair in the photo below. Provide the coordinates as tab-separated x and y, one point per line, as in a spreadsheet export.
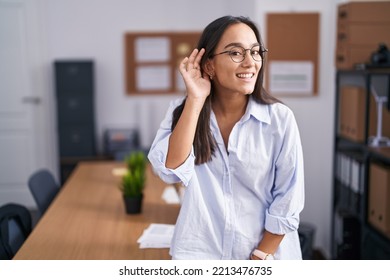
15	227
43	188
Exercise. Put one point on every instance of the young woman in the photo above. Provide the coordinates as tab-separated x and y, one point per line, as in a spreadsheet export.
236	149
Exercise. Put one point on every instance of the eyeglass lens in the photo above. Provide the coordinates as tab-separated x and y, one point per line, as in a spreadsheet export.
238	53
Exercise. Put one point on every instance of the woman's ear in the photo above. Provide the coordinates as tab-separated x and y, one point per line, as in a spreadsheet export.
209	68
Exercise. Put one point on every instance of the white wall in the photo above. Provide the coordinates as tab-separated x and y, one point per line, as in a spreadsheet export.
95	28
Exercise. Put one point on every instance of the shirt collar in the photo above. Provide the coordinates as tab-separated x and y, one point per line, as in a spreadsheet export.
257	110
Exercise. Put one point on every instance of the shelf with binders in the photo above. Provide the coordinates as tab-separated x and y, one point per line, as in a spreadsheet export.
361	181
350	182
350	175
378	199
362	110
376	231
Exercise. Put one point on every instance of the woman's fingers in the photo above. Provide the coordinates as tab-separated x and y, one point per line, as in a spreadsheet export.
183	66
192	62
191	59
198	58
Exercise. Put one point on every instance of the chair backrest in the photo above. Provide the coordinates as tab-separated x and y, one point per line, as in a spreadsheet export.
43	188
15	227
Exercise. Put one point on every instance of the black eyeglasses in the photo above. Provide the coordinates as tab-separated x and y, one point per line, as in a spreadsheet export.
237	54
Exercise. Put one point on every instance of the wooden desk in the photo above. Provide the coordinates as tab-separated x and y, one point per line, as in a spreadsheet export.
87	220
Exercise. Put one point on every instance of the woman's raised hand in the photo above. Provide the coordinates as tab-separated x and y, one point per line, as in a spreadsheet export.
198	86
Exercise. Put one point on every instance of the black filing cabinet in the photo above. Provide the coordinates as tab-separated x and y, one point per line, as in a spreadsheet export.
74	87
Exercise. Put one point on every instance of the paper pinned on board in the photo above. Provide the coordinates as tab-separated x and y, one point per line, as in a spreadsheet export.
291	77
152	49
153	77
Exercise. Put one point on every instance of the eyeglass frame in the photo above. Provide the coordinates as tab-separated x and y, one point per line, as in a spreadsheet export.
262	51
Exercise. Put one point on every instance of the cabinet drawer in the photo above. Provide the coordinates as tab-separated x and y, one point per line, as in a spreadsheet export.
74	77
75	109
76	141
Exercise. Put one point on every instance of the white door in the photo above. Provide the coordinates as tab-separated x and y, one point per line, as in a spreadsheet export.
24	142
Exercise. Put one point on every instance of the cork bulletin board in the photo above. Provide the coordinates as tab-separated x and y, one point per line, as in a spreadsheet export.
293	56
152	61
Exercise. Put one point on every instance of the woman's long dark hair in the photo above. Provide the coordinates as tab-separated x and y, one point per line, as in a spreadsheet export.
204	142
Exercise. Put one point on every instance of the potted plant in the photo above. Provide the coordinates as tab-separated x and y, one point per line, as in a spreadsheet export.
133	181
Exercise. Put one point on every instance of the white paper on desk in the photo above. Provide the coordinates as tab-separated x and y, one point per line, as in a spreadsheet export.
156	243
156	236
170	195
120	171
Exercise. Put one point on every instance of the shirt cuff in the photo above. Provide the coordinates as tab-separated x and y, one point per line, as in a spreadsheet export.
182	173
281	225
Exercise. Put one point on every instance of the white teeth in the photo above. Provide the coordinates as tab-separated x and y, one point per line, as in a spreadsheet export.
247	76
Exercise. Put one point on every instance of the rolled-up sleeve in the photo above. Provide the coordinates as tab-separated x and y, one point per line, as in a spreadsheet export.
282	216
159	150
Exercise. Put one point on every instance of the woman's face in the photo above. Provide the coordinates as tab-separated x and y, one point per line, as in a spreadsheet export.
236	77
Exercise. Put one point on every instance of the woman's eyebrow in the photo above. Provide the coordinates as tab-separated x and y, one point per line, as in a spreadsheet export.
240	45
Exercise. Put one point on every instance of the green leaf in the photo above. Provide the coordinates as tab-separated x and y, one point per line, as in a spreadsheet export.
134	180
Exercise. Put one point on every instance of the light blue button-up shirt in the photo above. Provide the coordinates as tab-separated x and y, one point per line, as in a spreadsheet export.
229	201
